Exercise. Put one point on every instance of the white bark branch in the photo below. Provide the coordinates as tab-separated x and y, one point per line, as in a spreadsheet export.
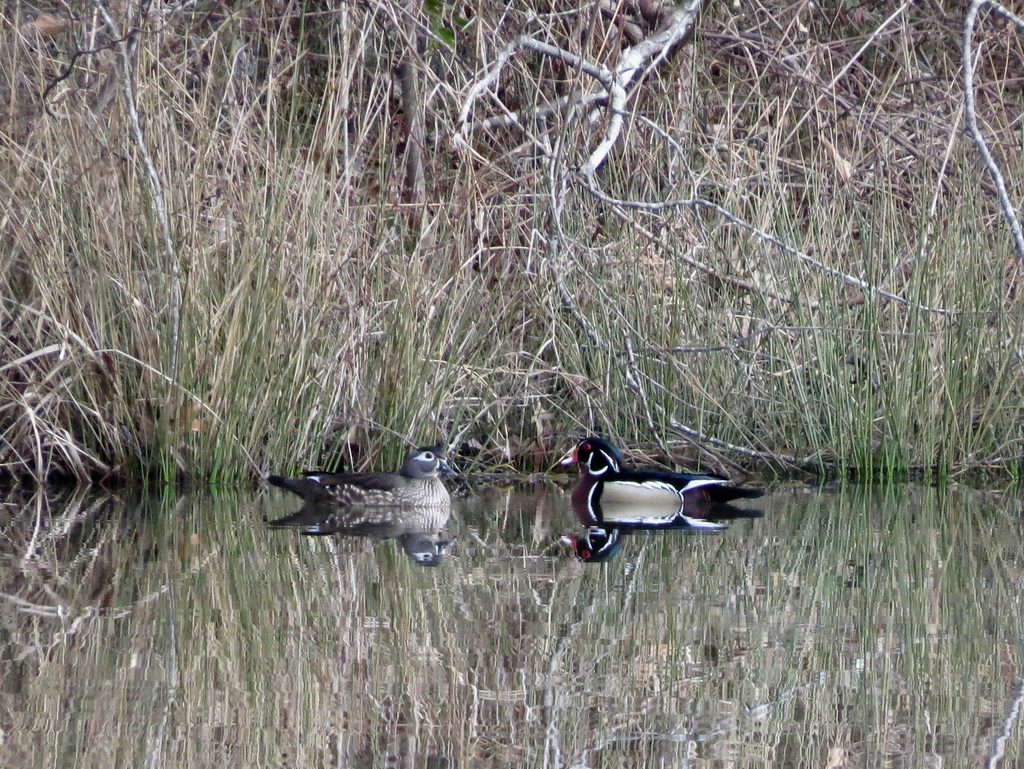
640	58
155	188
972	118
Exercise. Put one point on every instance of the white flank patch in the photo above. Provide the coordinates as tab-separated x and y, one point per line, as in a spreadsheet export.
704	482
650	503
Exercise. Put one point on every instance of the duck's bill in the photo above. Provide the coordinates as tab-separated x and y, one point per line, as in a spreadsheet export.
571	458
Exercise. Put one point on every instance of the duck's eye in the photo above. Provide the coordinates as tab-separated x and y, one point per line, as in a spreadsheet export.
428	455
585	446
584	554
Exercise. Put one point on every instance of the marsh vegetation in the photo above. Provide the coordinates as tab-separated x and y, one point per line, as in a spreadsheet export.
251	236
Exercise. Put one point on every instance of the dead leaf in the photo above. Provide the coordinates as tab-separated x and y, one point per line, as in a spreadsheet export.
44	25
844	168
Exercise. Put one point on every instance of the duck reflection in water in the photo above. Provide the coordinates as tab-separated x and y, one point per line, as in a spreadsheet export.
419	529
602	541
411	505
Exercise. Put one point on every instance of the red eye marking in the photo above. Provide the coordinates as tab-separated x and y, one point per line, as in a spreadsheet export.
584	553
585	447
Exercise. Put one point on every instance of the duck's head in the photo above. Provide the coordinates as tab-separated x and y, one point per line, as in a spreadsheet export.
595	456
426	549
427	462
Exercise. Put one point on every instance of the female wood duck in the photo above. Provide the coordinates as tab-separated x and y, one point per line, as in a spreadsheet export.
411	505
418	482
609	495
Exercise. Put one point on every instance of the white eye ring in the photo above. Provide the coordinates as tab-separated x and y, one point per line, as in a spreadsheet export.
429	456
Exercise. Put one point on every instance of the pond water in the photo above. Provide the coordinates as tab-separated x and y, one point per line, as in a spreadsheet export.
862	627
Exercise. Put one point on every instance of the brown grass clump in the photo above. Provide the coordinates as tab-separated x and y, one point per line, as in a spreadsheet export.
289	242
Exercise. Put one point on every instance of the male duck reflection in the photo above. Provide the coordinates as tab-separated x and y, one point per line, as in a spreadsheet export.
598	544
610	498
411	505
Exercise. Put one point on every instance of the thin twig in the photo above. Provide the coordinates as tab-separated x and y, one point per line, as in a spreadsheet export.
695	203
869	118
729	280
829	90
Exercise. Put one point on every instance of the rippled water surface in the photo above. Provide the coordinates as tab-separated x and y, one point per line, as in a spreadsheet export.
859	628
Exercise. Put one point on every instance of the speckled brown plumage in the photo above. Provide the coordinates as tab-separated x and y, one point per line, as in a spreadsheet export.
418	482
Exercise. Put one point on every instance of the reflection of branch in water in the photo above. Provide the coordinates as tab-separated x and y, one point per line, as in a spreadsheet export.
1011	718
57	566
172	680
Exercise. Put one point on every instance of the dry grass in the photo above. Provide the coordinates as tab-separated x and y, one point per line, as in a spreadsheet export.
309	314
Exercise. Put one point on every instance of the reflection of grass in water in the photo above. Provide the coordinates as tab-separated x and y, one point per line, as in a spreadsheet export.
855	627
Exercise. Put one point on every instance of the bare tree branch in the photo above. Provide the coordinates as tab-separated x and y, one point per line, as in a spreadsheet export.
972	118
124	46
641	57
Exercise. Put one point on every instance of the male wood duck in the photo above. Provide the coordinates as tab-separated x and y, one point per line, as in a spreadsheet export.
610	495
418	482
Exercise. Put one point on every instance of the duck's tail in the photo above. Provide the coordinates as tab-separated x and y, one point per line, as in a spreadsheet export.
307	488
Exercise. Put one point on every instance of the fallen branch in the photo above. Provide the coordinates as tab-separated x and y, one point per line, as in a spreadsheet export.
636	60
693	435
